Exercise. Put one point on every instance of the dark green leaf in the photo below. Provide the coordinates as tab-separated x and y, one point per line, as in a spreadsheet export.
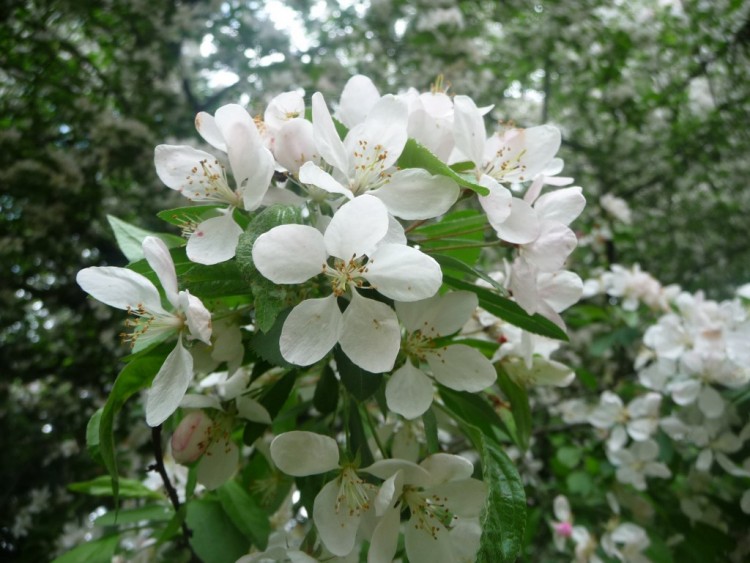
326	395
130	238
150	513
360	383
188	216
456	265
215	538
247	516
358	443
266	345
273	398
97	551
431	431
92	435
519	401
103	487
475	411
416	155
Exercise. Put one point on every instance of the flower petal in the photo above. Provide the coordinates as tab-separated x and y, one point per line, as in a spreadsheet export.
310	331
468	129
464	498
250	409
169	385
290	253
357	99
563	206
497	205
337	527
370	334
416	194
384	540
120	288
383	133
158	257
327	140
356	228
298	453
403	273
206	126
214	240
310	173
521	226
218	464
179	167
295	145
447	467
197	316
409	392
560	290
439	315
551	248
462	368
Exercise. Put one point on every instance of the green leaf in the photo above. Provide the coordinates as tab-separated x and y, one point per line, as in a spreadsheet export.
215	538
135	376
569	456
451	263
509	310
326	395
97	551
504	518
189	215
360	383
103	487
475	411
416	155
92	435
217	280
149	513
431	431
130	238
245	513
266	344
358	443
273	398
519	401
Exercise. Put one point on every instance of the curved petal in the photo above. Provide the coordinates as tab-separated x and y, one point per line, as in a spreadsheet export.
337	528
206	126
197	316
464	498
370	334
298	453
356	228
357	99
295	145
439	315
462	368
385	538
120	288
383	133
179	167
395	234
560	290
551	248
219	463
563	206
283	109
158	257
214	240
468	129
521	226
403	273
310	331
497	205
710	402
169	385
310	173
427	540
290	253
409	392
327	140
412	473
250	409
416	194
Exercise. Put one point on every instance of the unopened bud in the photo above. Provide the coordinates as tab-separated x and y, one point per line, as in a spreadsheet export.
192	437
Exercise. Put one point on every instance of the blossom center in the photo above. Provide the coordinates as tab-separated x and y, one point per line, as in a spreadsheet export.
354	493
369	167
141	321
212	184
346	273
429	513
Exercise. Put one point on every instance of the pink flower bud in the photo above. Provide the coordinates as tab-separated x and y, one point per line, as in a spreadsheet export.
192	437
564	529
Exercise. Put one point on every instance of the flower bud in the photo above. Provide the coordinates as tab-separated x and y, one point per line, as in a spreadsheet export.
192	437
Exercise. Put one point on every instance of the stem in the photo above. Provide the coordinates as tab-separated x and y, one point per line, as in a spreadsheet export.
414	225
462	246
158	466
375	436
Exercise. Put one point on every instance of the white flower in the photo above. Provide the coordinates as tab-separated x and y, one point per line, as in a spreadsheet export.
124	289
368	330
617	208
637	462
444	505
562	528
200	177
458	366
362	162
626	542
639	419
340	505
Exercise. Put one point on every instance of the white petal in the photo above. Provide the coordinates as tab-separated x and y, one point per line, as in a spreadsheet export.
403	273
214	240
252	410
412	473
561	508
290	253
389	493
197	316
385	538
169	385
447	467
158	257
284	108
705	460
370	334
521	226
120	288
300	453
218	464
416	194
409	392
310	331
357	99
179	167
206	126
295	145
497	205
462	368
560	290
395	234
356	228
310	173
710	402
563	206
337	528
439	315
468	129
422	547
327	140
385	127
551	248
684	392
464	498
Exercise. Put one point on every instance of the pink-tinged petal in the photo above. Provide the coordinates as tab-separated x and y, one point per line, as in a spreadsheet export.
468	129
290	253
357	99
206	126
198	318
409	392
384	541
120	288
356	228
298	453
311	174
327	140
310	331
381	137
219	463
169	385
416	194
191	437
521	226
179	167
551	248
498	204
370	334
158	257
560	290
462	368
295	145
403	273
447	467
214	240
336	526
563	205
